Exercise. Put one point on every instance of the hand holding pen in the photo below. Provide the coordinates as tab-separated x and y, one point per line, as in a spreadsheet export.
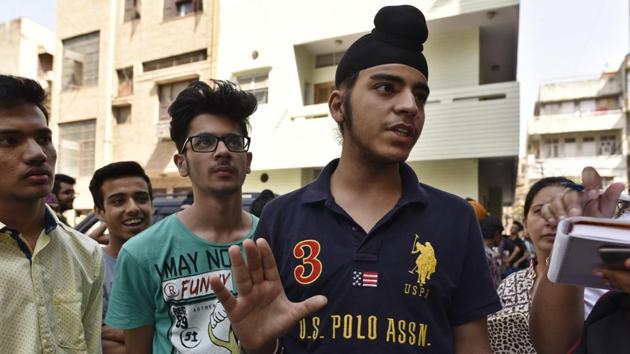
586	199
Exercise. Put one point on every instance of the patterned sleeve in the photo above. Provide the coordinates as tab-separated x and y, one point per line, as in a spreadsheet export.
93	311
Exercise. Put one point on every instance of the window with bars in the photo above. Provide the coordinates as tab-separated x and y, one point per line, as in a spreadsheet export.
328	59
588	146
181	8
167	94
256	84
552	148
609	103
77	141
608	145
570	147
125	81
132	10
180	59
80	61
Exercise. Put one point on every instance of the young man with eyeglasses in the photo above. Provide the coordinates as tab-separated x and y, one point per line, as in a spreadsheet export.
161	295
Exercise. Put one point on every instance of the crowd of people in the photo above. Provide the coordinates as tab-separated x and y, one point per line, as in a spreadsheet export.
364	259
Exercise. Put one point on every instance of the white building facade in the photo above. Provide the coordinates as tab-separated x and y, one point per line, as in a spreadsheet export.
286	53
27	49
578	123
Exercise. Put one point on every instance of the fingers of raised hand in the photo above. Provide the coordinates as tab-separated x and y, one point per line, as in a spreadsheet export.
269	263
241	273
570	202
310	305
254	261
590	178
561	206
609	199
223	294
548	215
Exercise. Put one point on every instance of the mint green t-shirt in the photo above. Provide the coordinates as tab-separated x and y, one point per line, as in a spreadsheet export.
163	278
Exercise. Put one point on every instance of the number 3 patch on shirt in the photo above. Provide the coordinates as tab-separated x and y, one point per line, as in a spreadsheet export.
311	267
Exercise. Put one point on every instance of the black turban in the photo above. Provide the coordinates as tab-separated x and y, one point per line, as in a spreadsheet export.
397	38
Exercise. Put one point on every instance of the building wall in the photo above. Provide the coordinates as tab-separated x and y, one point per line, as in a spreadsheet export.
458	177
464	119
593	121
21	42
453	58
10	47
280	181
123	44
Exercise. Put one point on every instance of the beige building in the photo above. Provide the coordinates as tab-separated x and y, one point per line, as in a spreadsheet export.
27	49
286	53
578	123
121	63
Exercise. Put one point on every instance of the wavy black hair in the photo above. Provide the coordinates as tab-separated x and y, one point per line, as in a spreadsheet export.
223	98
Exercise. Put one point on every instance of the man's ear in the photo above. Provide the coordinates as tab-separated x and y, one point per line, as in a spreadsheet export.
249	162
335	105
100	213
182	164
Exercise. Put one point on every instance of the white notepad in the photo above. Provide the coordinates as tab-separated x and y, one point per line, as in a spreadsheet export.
576	248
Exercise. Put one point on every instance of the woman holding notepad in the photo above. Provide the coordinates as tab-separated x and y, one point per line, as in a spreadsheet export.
509	328
557	317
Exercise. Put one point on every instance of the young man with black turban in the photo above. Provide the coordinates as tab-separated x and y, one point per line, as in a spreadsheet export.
369	259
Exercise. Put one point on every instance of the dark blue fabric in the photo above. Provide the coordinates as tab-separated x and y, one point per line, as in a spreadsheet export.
50	223
399	315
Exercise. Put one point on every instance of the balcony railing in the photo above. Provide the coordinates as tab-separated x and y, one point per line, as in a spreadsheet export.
564	123
606	165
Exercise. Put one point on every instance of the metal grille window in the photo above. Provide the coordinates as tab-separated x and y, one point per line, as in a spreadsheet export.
570	147
77	141
608	103
552	148
328	59
132	10
550	108
80	61
256	84
588	146
607	145
167	94
181	59
181	8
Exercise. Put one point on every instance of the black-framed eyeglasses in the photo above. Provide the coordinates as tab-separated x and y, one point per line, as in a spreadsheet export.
209	142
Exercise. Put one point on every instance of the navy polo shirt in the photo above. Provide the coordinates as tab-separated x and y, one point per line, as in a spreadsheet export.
401	288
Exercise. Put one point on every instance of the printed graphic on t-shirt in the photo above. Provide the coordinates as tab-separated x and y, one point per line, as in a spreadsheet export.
199	323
